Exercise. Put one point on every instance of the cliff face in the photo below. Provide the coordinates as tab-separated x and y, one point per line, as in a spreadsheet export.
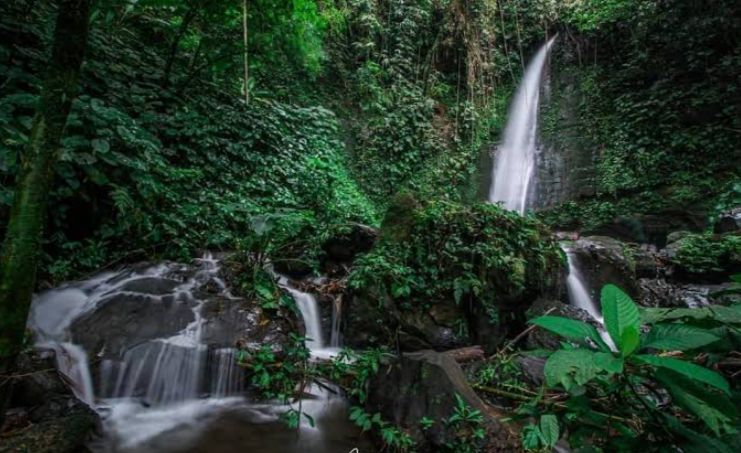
567	153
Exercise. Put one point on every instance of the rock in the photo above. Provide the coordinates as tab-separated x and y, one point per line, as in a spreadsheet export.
605	260
533	369
728	222
48	417
124	320
231	321
344	247
543	339
425	384
662	293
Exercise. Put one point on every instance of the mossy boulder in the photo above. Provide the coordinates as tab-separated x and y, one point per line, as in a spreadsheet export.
444	275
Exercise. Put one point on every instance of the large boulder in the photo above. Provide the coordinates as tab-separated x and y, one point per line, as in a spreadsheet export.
444	275
428	384
603	260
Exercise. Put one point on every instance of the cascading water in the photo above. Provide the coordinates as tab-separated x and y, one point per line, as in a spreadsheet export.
515	164
159	386
514	168
577	288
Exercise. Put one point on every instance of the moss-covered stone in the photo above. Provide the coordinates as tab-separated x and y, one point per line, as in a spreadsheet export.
458	274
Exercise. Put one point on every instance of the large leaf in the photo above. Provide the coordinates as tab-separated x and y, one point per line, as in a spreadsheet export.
688	369
570	329
549	430
724	314
713	408
570	367
677	337
621	315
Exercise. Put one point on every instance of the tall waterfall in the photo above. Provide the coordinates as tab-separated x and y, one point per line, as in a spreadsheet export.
515	164
514	168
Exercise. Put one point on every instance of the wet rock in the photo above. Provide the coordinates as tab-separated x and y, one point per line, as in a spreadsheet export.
437	327
151	285
228	322
124	320
605	260
345	246
533	368
48	418
662	293
425	384
543	339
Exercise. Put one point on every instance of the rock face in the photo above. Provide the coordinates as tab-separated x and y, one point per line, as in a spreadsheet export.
44	416
652	277
344	247
426	383
605	260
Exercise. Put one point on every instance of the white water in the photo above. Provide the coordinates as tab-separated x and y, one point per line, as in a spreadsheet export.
578	293
159	395
515	164
309	308
167	373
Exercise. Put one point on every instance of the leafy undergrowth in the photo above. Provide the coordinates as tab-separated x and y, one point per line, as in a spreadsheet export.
445	251
659	382
150	171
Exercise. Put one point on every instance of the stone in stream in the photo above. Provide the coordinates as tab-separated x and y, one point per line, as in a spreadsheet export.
425	384
44	415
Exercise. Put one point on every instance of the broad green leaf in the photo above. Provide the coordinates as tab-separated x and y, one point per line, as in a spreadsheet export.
570	367
620	313
549	430
713	408
677	337
570	329
688	369
630	340
608	362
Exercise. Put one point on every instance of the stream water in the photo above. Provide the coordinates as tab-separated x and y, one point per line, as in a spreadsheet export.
167	390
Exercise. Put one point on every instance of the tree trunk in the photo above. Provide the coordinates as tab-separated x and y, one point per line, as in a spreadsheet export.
23	235
190	15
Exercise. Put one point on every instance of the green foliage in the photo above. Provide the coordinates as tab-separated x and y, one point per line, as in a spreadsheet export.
146	171
468	425
450	252
543	436
706	252
394	439
591	372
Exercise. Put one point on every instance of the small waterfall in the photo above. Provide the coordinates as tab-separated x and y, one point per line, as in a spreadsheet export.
578	294
309	309
515	163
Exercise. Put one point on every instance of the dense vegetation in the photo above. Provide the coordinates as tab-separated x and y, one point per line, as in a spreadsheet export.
272	128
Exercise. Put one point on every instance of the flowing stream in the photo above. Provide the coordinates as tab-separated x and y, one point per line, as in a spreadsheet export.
157	385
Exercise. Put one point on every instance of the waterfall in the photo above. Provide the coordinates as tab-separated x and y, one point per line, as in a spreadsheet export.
578	294
515	164
514	168
309	308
